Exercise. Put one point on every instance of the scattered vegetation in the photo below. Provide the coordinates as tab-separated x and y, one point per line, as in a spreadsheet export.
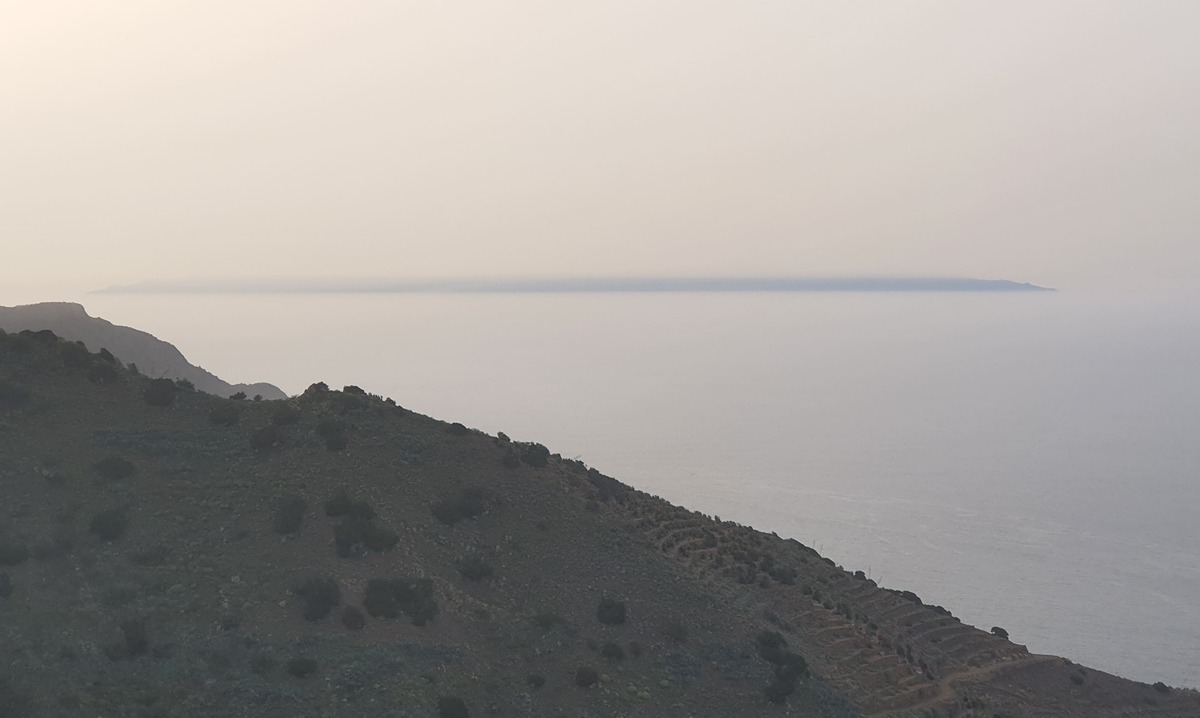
268	437
789	667
285	415
610	611
535	455
467	504
225	414
387	598
586	676
160	392
333	431
320	595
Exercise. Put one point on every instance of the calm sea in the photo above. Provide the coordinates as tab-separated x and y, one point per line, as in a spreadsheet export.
1030	461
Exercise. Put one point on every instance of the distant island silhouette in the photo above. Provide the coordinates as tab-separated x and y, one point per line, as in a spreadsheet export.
599	285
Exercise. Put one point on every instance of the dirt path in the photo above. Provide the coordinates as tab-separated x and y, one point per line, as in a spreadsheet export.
946	685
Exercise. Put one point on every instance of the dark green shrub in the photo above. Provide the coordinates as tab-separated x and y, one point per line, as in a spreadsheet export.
75	355
1162	687
160	392
225	414
109	525
301	667
6	585
114	468
285	415
355	537
413	596
136	640
612	652
777	691
457	429
267	437
1077	679
998	631
353	618
510	460
261	664
535	455
535	680
468	504
340	504
610	611
320	595
12	554
289	514
185	384
238	396
104	374
452	707
586	676
474	567
106	356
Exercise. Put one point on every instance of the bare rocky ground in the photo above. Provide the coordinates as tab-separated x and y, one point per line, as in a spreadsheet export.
165	552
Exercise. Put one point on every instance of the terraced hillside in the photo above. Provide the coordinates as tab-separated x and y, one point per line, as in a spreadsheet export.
165	552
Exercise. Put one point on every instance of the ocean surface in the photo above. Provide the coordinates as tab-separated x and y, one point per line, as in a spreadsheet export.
1028	460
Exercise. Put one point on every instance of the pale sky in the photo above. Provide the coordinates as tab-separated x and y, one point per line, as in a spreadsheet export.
1035	140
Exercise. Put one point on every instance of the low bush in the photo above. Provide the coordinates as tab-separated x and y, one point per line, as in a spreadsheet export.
510	460
225	414
998	631
110	524
320	595
75	355
777	691
301	667
1162	687
586	676
452	707
285	415
610	611
474	567
267	437
355	536
114	468
535	680
612	652
340	504
289	514
160	392
387	598
535	455
467	504
457	429
12	554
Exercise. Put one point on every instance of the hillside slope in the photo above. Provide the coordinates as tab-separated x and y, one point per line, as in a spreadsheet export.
152	356
165	552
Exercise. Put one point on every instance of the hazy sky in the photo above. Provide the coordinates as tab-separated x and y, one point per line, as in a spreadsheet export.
1042	141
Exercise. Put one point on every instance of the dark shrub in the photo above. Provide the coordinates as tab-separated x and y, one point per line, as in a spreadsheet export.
114	468
778	690
771	645
586	676
675	631
106	356
320	595
535	680
104	374
1077	679
225	414
452	707
136	640
466	505
1162	687
267	437
301	667
238	396
335	442
13	396
998	631
457	429
474	567
610	611
285	415
160	392
610	489
510	460
12	554
546	621
340	504
110	524
535	455
414	596
355	537
6	585
75	355
289	514
612	652
353	618
783	574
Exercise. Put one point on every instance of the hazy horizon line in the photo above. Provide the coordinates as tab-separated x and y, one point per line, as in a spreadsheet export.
562	285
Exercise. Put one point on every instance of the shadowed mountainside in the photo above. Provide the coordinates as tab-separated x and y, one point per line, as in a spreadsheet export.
152	356
166	552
